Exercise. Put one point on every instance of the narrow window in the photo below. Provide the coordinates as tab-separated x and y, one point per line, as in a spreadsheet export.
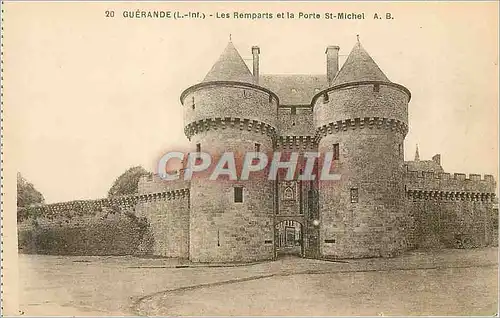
325	98
376	88
400	149
238	194
354	195
198	157
244	93
193	103
293	111
257	147
336	152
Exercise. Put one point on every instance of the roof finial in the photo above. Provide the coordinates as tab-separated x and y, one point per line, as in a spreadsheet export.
230	40
357	37
417	155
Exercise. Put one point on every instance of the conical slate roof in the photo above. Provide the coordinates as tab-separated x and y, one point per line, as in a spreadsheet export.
229	67
358	67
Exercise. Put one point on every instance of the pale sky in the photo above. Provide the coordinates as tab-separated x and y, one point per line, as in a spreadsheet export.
87	97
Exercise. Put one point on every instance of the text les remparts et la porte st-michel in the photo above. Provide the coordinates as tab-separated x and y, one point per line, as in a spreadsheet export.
301	15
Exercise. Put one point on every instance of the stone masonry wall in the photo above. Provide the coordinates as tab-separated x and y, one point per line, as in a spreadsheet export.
224	230
361	101
93	227
375	225
145	224
168	219
453	224
298	124
230	101
370	127
231	117
451	211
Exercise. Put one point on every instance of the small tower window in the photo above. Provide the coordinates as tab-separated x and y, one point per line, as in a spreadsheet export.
193	104
257	147
336	152
293	111
325	98
198	157
238	194
400	149
376	88
354	195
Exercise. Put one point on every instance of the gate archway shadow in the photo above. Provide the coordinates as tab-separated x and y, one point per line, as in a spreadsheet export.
289	239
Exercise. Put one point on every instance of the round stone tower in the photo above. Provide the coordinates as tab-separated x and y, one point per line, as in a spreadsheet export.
230	220
363	119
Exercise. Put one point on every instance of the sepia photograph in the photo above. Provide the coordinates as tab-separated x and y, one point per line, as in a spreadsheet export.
250	158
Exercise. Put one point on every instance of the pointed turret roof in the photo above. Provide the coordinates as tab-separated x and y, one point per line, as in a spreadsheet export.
229	67
359	67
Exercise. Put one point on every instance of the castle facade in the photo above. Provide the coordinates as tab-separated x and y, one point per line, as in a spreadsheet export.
382	205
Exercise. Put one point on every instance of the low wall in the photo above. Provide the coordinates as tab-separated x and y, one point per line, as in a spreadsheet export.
105	233
154	224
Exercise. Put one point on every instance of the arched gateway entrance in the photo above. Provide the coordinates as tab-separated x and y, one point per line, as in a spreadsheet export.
289	238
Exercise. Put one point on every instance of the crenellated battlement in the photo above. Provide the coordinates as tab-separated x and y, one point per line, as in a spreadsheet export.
153	183
362	123
228	122
90	207
449	183
449	176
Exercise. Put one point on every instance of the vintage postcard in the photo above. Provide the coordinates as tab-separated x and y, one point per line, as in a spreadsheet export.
249	158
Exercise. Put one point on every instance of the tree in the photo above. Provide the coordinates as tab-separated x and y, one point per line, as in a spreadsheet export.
26	193
127	183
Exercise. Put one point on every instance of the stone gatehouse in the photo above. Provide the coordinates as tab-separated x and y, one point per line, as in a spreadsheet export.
382	206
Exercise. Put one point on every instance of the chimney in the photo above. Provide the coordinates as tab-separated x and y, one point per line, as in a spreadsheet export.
437	159
332	62
255	53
